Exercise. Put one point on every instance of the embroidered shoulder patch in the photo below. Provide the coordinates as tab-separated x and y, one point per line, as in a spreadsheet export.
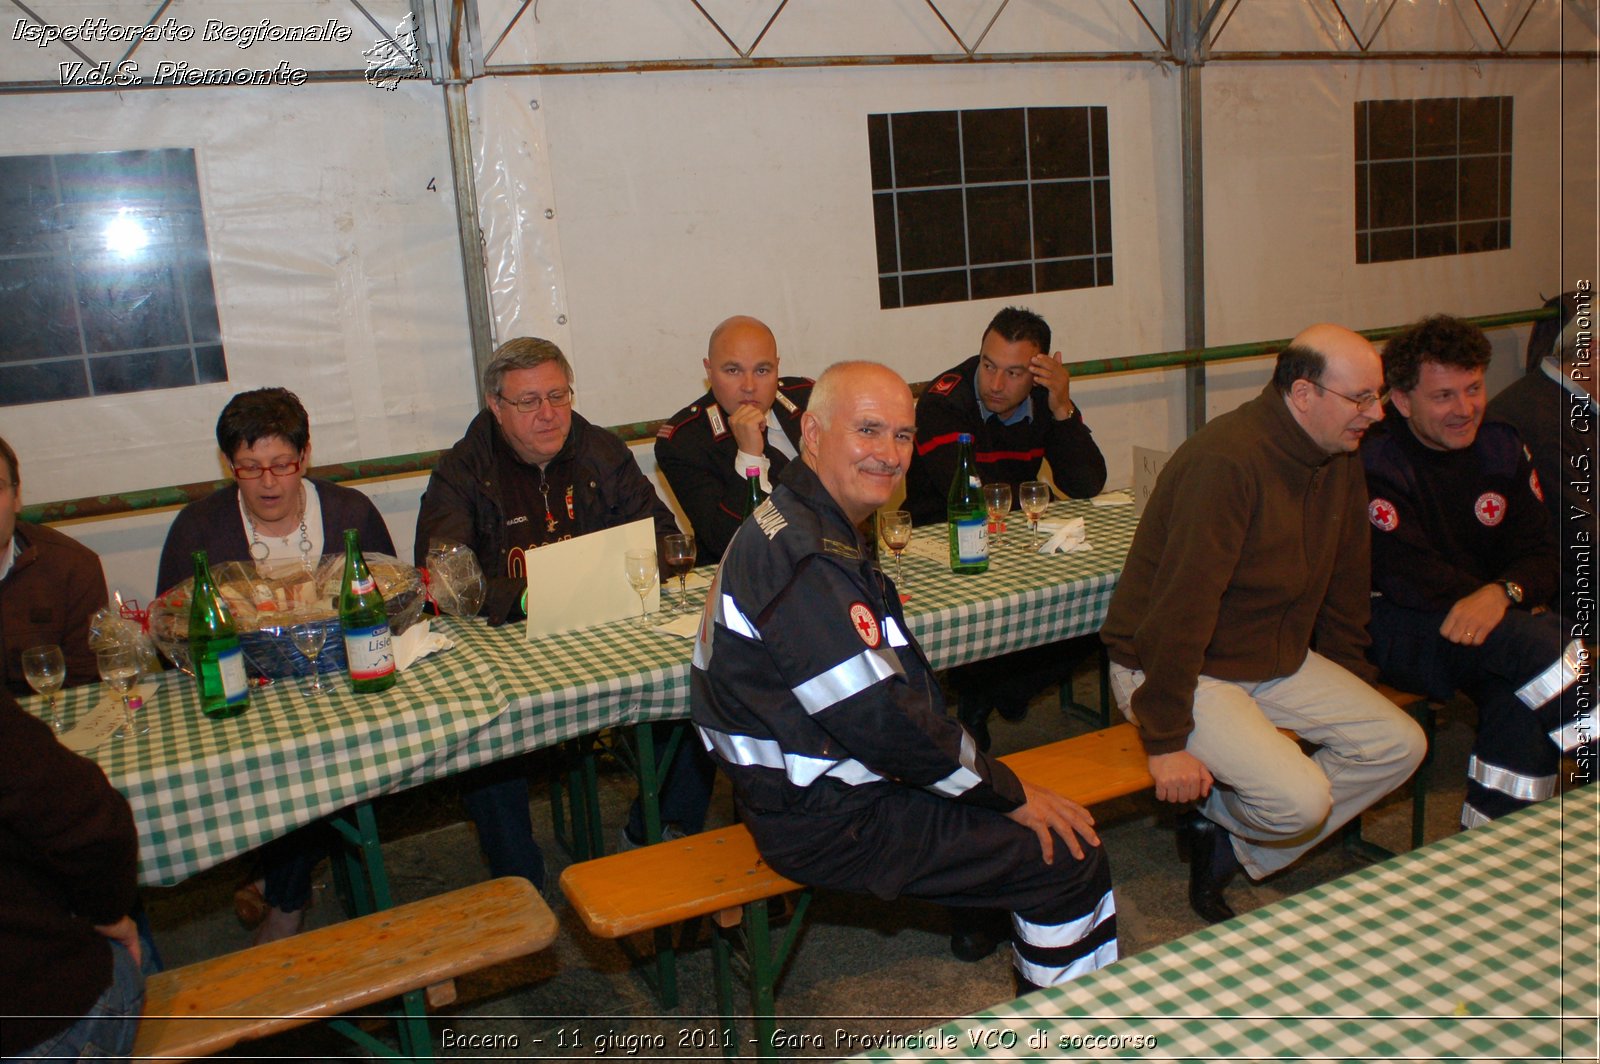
1533	485
865	622
1382	514
946	384
842	550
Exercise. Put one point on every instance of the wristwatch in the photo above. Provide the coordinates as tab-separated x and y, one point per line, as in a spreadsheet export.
1513	591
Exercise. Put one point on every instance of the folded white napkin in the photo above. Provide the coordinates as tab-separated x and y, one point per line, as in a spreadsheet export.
1068	537
417	642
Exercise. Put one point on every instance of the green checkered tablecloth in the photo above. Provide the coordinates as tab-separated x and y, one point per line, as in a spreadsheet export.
203	791
1482	946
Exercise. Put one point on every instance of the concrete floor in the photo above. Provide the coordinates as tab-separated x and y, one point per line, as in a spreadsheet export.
861	964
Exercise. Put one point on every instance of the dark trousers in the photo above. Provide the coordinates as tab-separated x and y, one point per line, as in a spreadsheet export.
685	789
1522	732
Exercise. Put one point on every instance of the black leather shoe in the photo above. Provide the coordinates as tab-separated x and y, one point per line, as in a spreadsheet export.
1212	863
978	933
974	717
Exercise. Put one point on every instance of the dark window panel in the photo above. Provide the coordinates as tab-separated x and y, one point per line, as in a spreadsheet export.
1393	246
1060	276
1505	189
1102	216
931	230
878	149
1102	271
1480	188
1436	191
142	372
997	224
883	225
183	181
110	178
1435	240
993	146
1362	107
1389	128
37	319
1363	177
1436	128
1390	194
925	288
888	292
1058	142
1480	125
211	367
1100	142
203	324
1363	248
1061	220
1505	123
1505	234
1478	236
926	150
27	203
996	281
126	306
42	382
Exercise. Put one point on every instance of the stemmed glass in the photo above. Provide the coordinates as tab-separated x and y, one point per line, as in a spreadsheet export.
678	549
1034	495
640	565
119	668
997	497
46	671
309	639
895	528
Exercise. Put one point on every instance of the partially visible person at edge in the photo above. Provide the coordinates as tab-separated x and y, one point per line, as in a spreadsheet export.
1015	399
530	471
278	517
1463	563
50	585
1242	608
749	419
811	694
70	980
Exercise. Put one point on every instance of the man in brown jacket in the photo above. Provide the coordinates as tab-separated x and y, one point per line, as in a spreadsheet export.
1243	609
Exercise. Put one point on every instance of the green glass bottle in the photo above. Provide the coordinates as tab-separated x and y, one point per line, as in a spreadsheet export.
967	513
368	647
753	495
214	648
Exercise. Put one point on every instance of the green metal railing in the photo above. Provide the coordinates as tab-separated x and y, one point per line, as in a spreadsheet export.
403	464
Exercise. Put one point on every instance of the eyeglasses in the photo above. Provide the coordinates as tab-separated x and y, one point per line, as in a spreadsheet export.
1363	404
559	399
255	472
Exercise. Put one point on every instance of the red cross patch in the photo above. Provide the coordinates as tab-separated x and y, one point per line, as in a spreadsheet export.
865	622
1490	508
1533	484
1381	513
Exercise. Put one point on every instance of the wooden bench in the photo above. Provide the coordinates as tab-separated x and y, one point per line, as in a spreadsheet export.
211	1006
719	874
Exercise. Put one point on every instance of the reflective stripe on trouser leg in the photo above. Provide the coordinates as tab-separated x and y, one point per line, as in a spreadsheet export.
1518	785
1555	679
1048	954
1471	818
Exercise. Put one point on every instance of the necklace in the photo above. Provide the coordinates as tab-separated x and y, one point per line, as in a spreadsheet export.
260	551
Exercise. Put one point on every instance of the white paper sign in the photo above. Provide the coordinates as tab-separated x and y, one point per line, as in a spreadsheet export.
580	582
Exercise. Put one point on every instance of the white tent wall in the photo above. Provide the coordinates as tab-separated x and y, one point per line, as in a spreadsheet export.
676	198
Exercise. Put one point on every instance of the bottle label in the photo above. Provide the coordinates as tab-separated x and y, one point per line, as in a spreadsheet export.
235	685
364	586
369	651
972	541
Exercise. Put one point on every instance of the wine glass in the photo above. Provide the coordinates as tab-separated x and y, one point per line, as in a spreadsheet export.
895	528
640	565
119	668
1034	495
997	497
309	639
46	671
678	549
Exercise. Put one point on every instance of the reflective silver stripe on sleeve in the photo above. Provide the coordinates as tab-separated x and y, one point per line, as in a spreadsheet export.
733	619
1524	788
1054	936
1574	733
1557	678
892	633
802	771
1040	975
849	677
1471	818
964	778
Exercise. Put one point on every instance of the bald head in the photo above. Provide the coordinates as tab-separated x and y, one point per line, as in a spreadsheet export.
857	433
742	364
1330	377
